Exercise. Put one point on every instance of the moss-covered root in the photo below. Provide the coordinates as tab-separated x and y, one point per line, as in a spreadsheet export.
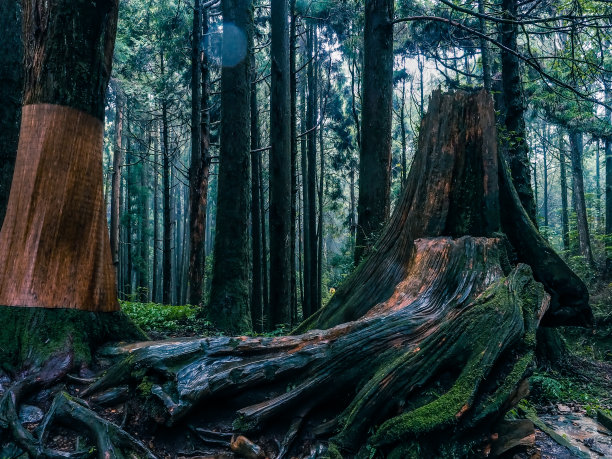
30	336
111	440
490	346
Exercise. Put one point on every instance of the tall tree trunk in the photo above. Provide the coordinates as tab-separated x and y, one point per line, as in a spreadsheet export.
545	161
280	167
597	189
584	240
129	218
205	141
116	178
229	296
608	193
143	244
156	205
516	146
166	216
54	245
402	121
311	180
321	190
293	110
264	249
484	48
305	125
353	207
564	206
376	118
197	181
256	210
11	83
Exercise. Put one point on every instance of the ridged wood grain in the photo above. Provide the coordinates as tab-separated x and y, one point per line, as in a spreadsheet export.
54	245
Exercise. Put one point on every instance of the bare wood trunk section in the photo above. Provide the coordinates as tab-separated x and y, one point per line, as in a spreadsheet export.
54	245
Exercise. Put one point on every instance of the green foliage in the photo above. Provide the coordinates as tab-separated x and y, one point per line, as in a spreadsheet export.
552	388
164	318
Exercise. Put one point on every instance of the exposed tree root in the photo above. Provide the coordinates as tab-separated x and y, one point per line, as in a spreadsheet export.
111	441
453	320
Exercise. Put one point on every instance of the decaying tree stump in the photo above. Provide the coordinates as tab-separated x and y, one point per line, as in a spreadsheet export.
421	350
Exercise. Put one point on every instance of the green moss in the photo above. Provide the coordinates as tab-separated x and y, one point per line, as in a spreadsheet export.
145	387
30	336
332	452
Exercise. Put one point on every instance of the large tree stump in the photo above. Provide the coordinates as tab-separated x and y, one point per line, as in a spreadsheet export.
423	348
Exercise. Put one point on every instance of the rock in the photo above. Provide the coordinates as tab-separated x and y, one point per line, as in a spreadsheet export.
512	434
246	448
29	414
563	409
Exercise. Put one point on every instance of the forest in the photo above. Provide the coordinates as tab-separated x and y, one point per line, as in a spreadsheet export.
305	229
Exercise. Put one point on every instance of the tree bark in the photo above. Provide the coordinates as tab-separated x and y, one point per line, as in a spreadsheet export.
311	177
608	207
56	269
563	184
280	168
484	48
116	178
516	146
11	82
584	239
256	210
376	118
166	215
54	245
197	171
229	297
294	172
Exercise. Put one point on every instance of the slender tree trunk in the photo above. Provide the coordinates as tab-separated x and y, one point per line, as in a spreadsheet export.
167	223
280	168
597	190
264	249
229	296
293	109
576	147
256	293
156	206
516	146
11	83
484	48
564	205
311	185
402	121
129	244
608	193
143	210
376	117
545	161
320	221
116	178
197	205
205	142
305	125
352	211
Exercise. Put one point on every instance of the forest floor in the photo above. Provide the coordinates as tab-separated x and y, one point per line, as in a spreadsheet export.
571	410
